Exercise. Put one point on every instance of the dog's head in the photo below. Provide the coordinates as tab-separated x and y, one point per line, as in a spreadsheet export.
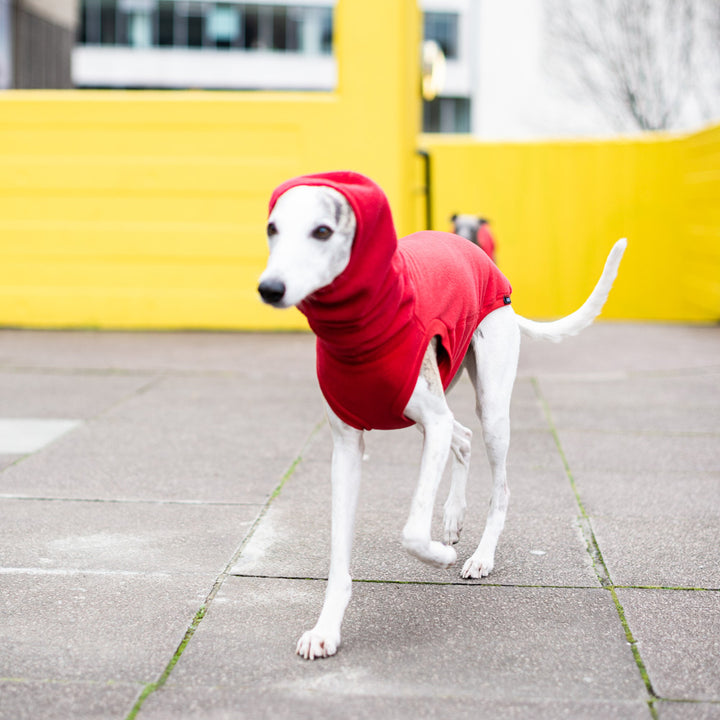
310	234
467	226
476	230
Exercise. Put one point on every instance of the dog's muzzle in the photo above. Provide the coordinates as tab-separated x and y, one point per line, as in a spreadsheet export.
272	291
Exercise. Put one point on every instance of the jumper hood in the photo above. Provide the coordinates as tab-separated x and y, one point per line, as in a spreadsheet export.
371	281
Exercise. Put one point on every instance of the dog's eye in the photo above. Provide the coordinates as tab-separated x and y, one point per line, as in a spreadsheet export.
322	232
271	229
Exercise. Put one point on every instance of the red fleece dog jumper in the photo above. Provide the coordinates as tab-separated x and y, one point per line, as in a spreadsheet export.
375	320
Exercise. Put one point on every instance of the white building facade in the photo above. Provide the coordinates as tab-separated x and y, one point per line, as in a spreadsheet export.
205	44
264	44
503	76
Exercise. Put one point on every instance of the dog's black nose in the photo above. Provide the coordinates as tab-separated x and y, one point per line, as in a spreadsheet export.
271	291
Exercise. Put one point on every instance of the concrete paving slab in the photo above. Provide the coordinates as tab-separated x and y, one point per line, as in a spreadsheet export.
624	406
678	635
411	642
640	452
185	438
655	529
660	551
542	542
20	436
294	537
126	537
532	551
287	355
126	463
99	627
8	460
696	388
650	494
245	703
623	347
59	700
683	421
690	710
217	420
64	393
133	463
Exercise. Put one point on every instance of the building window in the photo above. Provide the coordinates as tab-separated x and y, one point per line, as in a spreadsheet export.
107	14
166	24
191	23
279	28
222	26
442	27
447	115
136	23
303	29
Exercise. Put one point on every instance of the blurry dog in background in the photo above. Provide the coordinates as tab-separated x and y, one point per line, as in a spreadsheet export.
476	230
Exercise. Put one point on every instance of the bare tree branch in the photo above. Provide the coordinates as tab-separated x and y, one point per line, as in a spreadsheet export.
636	59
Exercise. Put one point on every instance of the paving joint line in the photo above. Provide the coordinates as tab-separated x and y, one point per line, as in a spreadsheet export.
150	688
430	583
595	553
645	433
129	501
99	371
118	371
477	583
677	588
68	682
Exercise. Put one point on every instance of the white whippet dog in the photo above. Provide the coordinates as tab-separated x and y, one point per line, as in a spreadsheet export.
310	234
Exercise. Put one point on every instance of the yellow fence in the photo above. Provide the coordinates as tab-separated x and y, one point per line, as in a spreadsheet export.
697	251
557	207
147	210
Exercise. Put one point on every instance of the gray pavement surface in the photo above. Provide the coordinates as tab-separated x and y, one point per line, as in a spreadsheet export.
164	535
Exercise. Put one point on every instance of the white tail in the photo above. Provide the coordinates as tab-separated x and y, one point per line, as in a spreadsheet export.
572	324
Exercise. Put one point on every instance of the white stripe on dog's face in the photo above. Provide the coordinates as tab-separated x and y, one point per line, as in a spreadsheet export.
310	236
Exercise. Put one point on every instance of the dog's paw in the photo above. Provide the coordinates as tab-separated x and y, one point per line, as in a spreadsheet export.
477	568
452	526
432	553
442	555
314	645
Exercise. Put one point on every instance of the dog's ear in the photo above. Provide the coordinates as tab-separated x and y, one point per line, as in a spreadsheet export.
453	217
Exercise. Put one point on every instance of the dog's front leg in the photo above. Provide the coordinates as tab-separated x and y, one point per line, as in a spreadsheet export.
348	444
429	409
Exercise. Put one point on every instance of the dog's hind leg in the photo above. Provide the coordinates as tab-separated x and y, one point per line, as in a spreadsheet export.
429	409
492	364
348	445
454	510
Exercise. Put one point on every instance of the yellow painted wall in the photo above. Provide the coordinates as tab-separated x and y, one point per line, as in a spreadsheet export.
148	209
557	207
699	251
